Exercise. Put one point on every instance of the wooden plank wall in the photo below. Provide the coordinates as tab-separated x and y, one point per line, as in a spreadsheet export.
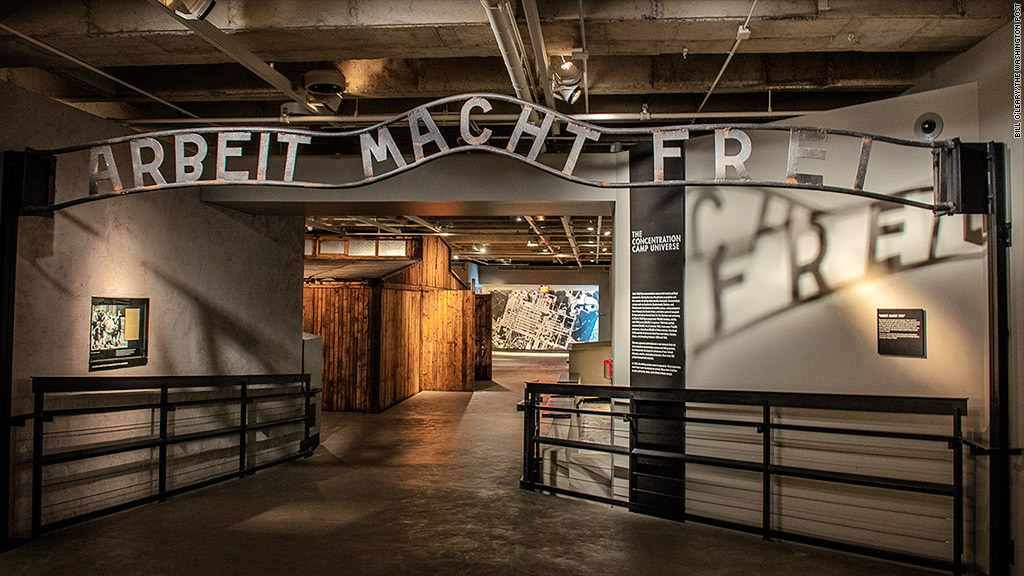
400	346
433	270
385	341
446	359
482	336
340	313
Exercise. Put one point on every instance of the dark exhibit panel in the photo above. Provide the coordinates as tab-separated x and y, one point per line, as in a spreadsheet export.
657	483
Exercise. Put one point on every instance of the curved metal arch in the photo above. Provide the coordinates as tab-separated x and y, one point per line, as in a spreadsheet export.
414	114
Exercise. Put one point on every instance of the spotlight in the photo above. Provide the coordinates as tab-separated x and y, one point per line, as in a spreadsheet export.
570	94
324	83
190	9
565	82
324	88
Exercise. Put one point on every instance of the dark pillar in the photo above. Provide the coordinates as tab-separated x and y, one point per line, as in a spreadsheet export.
1000	543
657	351
10	207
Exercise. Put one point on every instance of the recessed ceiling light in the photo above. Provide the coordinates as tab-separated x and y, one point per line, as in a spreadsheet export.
607	232
590	228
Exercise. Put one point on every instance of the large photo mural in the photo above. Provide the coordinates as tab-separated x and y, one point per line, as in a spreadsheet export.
539	318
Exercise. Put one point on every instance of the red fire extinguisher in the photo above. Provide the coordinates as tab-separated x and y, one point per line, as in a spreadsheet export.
608	368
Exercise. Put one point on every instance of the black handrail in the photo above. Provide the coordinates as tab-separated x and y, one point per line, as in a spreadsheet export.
955	408
242	395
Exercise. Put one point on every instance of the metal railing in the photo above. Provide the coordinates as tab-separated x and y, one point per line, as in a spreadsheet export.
673	410
155	400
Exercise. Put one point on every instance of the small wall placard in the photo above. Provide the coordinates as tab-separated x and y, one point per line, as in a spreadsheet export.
901	332
118	333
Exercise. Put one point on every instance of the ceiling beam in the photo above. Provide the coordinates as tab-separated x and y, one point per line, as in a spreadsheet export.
432	227
374	223
533	226
572	240
393	79
230	47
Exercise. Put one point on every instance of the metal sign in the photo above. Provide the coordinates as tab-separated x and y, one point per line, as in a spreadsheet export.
213	156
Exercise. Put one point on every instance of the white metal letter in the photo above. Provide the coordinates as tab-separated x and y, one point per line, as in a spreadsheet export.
224	152
108	173
293	141
661	152
195	161
485	134
797	151
380	149
539	132
432	134
140	169
582	133
721	160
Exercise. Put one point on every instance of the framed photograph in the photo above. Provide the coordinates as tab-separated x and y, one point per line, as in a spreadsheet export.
118	333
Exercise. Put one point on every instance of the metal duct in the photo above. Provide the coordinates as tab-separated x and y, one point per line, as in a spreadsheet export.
503	23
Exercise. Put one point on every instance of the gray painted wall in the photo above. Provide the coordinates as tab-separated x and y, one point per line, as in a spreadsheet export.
225	288
769	342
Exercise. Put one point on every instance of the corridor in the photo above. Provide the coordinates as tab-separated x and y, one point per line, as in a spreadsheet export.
427	487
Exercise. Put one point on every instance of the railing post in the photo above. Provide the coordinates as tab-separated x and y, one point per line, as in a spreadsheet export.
243	417
766	477
162	463
528	438
308	425
37	466
634	432
958	494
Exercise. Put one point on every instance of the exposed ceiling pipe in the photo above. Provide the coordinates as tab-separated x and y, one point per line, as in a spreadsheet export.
741	34
449	118
226	44
92	68
503	23
540	52
586	56
597	239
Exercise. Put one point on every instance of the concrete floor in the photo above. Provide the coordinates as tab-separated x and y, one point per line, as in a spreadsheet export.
428	487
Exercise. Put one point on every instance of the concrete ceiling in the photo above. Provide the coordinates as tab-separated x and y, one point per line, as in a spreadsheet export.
811	54
801	55
534	240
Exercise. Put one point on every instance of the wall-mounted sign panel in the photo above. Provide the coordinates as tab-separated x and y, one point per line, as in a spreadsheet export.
118	333
656	270
901	332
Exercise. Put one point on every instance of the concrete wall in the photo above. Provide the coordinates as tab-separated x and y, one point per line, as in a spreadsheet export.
989	67
225	288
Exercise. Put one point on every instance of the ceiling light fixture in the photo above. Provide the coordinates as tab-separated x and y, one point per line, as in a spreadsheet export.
324	87
190	9
565	81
